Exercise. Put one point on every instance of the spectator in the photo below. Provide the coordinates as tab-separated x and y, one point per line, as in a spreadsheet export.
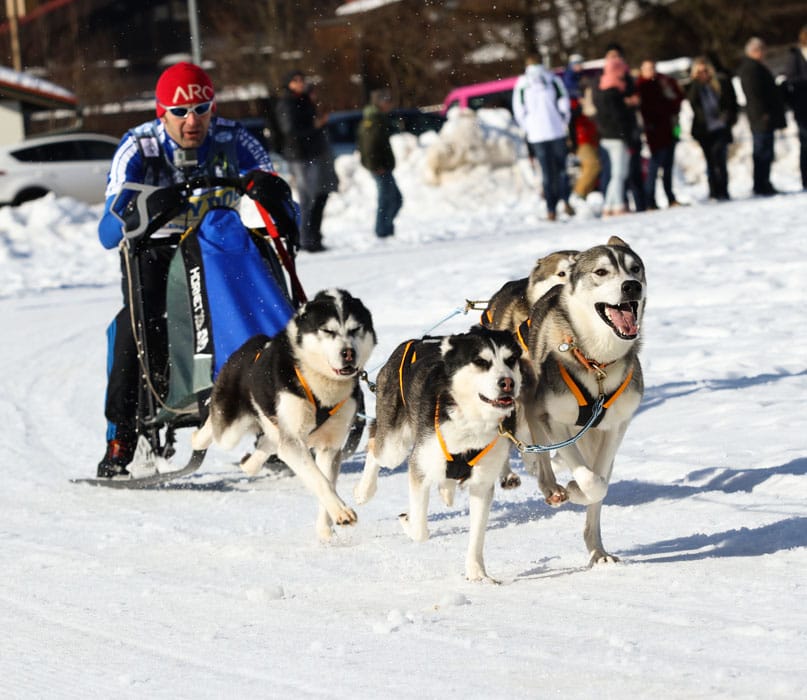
714	112
377	156
796	92
616	124
765	111
308	152
571	76
151	154
660	101
542	109
586	142
634	183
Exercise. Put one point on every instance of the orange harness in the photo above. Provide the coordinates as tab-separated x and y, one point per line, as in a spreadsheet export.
322	413
585	401
458	466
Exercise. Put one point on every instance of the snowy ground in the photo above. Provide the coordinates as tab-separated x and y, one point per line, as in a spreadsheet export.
215	586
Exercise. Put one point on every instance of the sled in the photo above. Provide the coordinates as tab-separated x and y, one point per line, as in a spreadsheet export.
225	284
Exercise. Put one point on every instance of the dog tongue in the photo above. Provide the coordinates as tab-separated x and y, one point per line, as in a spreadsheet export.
623	319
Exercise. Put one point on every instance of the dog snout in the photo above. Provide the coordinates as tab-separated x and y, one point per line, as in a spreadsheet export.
348	355
632	289
506	385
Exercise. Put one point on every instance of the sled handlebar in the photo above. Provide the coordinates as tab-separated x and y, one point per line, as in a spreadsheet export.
150	207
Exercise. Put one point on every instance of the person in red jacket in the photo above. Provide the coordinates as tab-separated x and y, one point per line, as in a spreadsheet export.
661	99
586	140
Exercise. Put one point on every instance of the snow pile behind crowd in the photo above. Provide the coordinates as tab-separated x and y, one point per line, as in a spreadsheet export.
215	586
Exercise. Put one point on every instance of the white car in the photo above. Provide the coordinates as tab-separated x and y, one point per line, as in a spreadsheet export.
73	165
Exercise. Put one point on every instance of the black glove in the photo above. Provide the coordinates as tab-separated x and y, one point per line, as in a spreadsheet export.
162	205
273	193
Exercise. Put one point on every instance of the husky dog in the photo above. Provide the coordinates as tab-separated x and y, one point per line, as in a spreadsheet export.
510	306
299	392
583	344
509	310
441	402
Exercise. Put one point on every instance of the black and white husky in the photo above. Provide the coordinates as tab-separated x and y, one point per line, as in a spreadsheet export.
584	344
440	402
299	392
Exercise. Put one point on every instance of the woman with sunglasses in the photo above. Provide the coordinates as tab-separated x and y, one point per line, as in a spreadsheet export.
186	141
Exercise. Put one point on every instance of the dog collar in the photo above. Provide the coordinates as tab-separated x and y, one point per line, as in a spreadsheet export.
458	466
568	344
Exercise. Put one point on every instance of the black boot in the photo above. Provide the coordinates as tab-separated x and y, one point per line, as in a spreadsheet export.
118	455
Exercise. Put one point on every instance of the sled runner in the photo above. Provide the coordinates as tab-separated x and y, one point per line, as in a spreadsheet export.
225	285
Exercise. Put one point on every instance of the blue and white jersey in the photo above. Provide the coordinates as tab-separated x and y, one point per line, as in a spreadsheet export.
145	155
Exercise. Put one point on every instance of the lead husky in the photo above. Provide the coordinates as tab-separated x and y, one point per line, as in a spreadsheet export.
441	401
584	343
299	392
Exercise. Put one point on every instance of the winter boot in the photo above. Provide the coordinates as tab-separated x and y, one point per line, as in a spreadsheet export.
118	455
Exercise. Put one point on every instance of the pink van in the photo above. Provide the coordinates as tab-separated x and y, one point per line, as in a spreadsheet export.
495	93
499	93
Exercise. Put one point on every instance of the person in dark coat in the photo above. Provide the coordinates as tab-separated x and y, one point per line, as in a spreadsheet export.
714	113
765	110
661	99
796	95
376	155
308	152
616	124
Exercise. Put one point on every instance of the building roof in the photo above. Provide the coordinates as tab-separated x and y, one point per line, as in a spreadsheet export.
33	91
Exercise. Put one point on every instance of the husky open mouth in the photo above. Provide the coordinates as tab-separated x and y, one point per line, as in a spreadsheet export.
501	402
622	318
347	371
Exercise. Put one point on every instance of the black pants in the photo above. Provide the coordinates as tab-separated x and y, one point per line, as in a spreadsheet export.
123	367
715	150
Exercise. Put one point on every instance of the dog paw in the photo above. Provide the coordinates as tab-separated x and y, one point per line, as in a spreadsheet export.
475	571
346	516
600	556
418	534
510	480
364	492
556	497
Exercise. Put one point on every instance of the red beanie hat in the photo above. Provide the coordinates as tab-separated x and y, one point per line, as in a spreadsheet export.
183	84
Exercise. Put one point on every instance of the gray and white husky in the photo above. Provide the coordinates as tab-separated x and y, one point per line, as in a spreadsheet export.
510	306
298	392
583	343
440	402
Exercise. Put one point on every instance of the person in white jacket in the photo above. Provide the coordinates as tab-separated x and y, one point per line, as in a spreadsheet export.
542	109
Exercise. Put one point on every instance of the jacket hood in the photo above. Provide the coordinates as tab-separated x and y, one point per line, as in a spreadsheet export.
536	73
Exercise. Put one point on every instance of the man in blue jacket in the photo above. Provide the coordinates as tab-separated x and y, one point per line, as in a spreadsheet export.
186	140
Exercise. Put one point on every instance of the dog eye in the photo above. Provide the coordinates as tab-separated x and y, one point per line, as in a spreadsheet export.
482	364
330	334
511	361
636	269
561	274
601	272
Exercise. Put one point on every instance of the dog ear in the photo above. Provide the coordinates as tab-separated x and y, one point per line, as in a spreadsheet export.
616	240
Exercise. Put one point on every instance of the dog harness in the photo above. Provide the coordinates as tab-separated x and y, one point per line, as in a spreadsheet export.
522	333
585	401
458	466
427	345
322	413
